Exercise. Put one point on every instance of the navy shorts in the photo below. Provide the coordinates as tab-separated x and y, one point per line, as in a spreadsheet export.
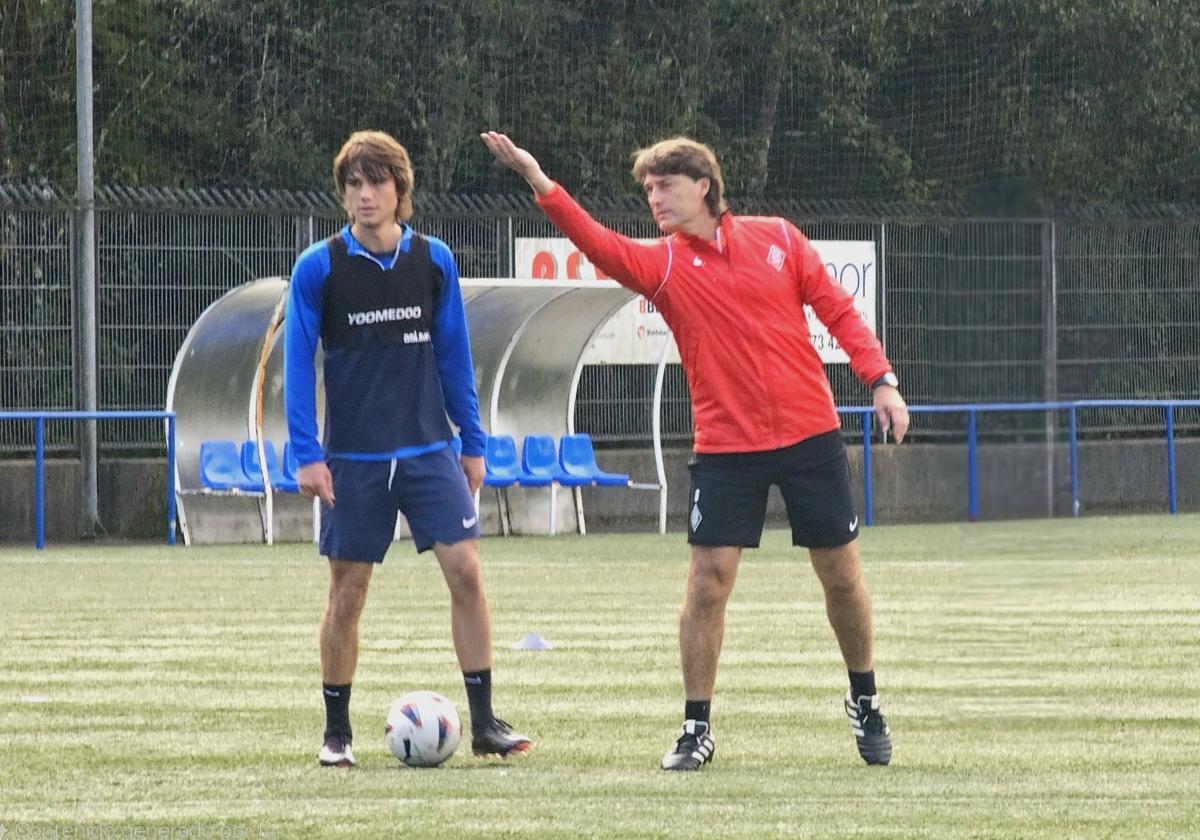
430	490
727	505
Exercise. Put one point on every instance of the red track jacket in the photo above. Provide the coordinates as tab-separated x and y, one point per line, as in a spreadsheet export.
735	307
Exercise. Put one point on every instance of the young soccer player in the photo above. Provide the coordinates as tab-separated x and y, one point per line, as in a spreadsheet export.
385	303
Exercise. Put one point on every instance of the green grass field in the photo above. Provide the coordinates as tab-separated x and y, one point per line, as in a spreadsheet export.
1041	680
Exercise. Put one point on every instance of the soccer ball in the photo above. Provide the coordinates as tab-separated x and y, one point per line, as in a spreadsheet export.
423	729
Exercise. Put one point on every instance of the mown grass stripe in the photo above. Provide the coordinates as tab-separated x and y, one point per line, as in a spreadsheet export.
1040	677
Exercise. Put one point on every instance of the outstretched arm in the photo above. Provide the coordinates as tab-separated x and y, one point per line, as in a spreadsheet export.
636	266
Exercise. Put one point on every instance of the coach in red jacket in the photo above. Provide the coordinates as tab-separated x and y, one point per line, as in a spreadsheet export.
733	289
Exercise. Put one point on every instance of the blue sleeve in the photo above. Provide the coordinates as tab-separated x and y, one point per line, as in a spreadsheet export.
302	330
452	345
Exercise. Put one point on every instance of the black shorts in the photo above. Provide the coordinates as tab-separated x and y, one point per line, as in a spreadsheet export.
727	505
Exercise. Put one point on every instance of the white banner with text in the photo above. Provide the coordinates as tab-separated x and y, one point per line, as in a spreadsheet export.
636	333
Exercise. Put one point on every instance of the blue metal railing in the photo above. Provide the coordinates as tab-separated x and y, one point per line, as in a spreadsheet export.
972	410
39	437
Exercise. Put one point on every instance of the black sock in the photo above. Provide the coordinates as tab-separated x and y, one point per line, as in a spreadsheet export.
337	710
479	696
697	710
862	684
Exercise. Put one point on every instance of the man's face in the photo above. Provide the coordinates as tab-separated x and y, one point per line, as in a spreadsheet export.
675	200
370	203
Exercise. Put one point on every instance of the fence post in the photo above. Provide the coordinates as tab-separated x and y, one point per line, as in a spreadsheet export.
86	276
972	467
1171	459
882	288
1050	347
39	460
171	480
303	225
1074	425
868	490
511	249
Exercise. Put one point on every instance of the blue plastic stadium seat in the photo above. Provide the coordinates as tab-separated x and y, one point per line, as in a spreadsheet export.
291	467
540	460
283	473
501	467
250	465
221	468
577	458
529	478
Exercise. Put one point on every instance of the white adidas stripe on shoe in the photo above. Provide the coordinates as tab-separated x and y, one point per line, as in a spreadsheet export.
693	749
871	732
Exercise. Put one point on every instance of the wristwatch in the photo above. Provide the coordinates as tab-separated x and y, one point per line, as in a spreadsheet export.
886	379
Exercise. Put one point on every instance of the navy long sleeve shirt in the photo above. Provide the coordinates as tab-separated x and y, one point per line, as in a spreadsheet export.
397	351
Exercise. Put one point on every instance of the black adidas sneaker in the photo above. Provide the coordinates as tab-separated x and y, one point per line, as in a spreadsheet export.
870	727
693	749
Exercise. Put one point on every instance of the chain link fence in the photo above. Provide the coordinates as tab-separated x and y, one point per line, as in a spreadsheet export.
970	310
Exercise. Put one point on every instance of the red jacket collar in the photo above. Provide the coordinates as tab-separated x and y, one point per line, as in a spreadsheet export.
725	228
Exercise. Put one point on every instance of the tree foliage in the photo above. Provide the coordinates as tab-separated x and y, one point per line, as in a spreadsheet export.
1077	100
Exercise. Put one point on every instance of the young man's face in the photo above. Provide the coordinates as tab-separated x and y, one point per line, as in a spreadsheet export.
676	201
371	204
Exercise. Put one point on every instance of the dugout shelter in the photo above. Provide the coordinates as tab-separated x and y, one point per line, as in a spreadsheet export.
528	340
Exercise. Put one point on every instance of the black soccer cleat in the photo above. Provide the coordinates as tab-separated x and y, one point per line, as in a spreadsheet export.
498	738
693	749
335	752
870	727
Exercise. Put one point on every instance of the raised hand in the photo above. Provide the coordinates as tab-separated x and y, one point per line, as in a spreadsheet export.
518	160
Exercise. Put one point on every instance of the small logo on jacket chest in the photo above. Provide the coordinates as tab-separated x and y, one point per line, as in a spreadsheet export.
775	257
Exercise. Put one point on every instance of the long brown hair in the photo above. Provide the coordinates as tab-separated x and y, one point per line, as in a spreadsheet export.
684	156
377	157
